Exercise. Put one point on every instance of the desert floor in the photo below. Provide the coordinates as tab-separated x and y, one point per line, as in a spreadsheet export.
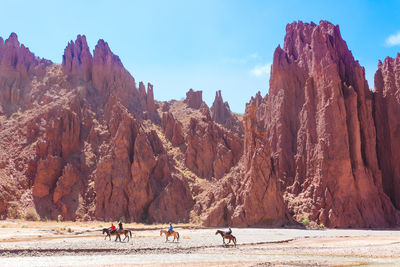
82	244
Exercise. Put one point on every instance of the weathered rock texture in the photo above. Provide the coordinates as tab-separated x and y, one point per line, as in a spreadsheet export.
211	151
387	119
79	145
319	126
80	139
194	99
172	129
221	113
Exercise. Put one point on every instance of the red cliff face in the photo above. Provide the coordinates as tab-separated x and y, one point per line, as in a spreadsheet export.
82	141
81	149
172	129
387	110
77	59
319	126
211	151
17	65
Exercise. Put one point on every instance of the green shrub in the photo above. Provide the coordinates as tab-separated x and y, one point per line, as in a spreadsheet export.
305	222
322	226
59	218
69	230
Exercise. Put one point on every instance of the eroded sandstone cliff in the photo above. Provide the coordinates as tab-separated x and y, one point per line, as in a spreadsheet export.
81	140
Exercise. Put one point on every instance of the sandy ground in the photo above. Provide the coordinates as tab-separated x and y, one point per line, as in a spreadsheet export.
71	244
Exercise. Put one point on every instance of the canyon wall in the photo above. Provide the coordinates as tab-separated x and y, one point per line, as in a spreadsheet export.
82	140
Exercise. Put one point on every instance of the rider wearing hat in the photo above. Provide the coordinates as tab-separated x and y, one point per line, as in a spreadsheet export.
120	225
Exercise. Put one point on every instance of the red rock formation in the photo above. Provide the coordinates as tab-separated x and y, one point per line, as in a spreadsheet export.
318	123
249	195
17	66
221	113
77	59
211	151
80	150
194	99
87	144
172	129
387	110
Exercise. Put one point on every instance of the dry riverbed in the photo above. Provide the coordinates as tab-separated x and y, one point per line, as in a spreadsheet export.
82	244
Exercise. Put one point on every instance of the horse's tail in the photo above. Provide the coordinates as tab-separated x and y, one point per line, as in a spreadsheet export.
178	235
130	233
234	240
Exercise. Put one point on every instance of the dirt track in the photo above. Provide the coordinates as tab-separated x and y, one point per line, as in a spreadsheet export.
199	247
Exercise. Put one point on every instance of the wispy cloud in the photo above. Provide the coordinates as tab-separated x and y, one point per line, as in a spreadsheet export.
261	70
243	60
393	39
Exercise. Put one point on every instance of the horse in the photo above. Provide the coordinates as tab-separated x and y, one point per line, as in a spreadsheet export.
117	233
229	237
168	234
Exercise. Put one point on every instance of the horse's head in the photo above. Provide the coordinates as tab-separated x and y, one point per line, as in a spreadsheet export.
104	230
217	232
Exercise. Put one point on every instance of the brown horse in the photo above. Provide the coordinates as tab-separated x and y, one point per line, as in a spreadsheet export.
225	236
117	233
168	234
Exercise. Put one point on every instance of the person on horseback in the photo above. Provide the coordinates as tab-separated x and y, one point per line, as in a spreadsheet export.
112	227
120	225
229	232
170	229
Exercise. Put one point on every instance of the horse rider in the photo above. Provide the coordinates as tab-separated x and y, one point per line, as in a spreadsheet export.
112	227
120	225
170	229
229	232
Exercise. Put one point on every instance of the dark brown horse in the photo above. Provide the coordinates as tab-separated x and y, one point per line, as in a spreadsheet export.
225	236
117	233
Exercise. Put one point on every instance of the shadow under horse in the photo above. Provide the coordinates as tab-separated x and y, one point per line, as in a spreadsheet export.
225	236
117	234
168	234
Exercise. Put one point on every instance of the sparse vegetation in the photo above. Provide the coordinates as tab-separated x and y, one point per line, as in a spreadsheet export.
31	215
13	210
321	226
59	218
305	222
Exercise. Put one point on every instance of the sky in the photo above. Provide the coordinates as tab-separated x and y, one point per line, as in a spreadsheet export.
206	45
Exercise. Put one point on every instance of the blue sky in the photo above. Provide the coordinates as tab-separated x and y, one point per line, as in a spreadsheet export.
204	45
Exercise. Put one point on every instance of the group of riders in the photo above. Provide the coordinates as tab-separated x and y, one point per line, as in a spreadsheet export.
112	228
170	229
